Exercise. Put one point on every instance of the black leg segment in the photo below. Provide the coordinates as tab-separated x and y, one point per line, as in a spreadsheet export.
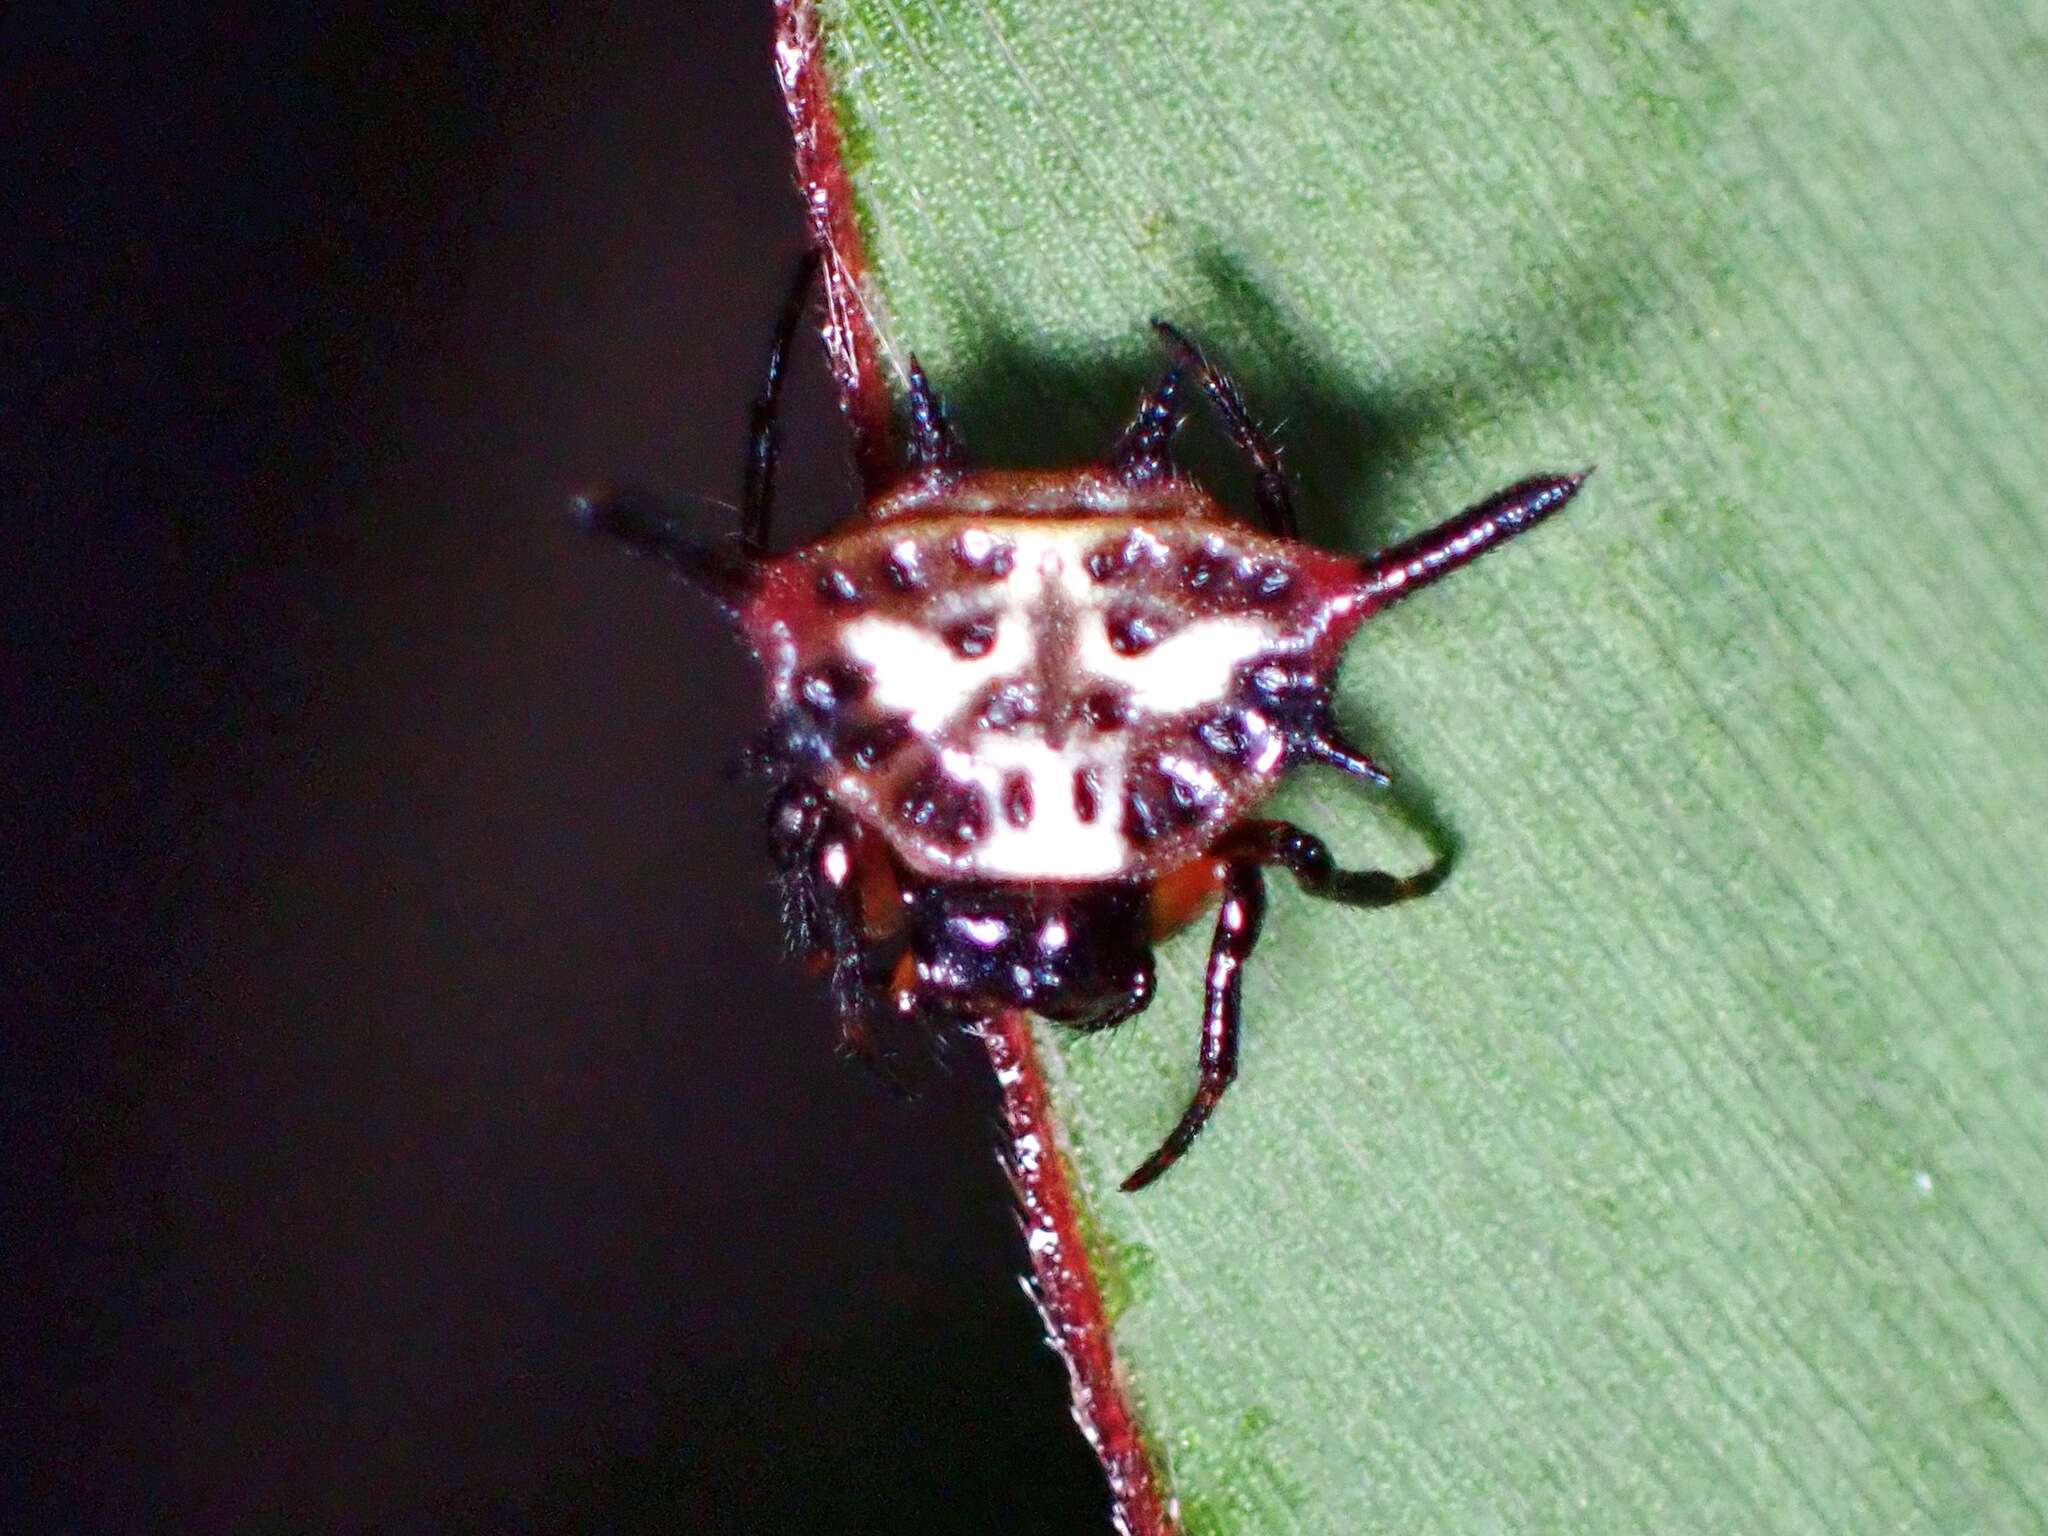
1269	485
1237	933
1307	857
1141	456
757	500
813	856
933	444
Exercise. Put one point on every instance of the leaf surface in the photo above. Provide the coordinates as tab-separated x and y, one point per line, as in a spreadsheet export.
1680	1165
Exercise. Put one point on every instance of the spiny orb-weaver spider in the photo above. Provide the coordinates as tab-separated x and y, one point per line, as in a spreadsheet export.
1019	721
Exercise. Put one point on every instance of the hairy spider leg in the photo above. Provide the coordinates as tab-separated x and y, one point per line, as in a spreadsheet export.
1235	867
1269	485
813	856
725	572
1141	455
819	857
764	443
1307	857
932	444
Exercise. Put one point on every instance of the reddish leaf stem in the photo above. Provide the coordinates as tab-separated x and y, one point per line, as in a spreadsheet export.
1064	1283
850	340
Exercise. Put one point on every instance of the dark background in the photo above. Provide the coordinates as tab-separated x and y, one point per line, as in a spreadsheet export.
410	1121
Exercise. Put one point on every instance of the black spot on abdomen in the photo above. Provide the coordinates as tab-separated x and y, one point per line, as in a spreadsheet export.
1017	800
970	638
829	686
1156	804
1087	794
869	746
940	807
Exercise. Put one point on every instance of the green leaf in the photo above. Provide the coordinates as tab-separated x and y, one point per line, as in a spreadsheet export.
1680	1166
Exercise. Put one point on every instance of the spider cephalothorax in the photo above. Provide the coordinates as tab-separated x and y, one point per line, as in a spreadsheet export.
1020	722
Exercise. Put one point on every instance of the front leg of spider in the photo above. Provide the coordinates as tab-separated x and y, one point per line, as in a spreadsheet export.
1237	933
1317	738
1306	857
727	570
764	444
813	854
1142	455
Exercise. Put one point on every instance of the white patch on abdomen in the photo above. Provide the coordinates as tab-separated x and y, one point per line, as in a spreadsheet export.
1192	667
1055	844
917	674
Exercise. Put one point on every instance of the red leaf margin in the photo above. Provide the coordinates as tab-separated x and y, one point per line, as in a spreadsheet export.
1064	1285
851	344
1063	1281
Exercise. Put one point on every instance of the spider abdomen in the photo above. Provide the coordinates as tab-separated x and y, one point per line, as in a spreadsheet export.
1050	695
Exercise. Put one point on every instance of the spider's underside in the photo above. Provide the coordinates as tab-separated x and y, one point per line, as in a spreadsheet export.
1020	721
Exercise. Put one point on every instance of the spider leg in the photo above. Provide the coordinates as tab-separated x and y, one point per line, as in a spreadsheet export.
933	442
1140	456
1307	857
1414	563
815	857
1269	485
1237	932
757	499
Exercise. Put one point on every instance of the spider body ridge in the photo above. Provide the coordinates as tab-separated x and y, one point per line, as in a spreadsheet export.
1021	722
